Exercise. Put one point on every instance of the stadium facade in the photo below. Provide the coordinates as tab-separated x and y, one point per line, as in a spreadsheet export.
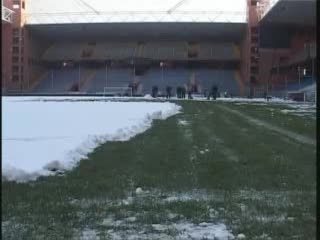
267	48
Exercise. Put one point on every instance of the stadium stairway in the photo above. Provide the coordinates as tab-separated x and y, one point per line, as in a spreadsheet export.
38	80
58	81
236	50
240	83
86	78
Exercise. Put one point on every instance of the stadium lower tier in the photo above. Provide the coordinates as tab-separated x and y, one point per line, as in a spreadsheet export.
96	80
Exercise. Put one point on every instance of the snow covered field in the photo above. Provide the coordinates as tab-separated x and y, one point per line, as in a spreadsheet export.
42	134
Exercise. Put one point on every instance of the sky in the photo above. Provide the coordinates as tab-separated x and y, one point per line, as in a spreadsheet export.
195	10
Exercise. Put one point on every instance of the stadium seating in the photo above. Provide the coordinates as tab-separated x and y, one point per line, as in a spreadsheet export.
116	78
94	81
171	77
58	81
119	50
160	50
217	51
128	50
225	80
303	54
63	51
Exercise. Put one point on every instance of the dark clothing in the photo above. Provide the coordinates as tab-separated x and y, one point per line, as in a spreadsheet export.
213	93
183	92
135	88
178	92
154	91
168	90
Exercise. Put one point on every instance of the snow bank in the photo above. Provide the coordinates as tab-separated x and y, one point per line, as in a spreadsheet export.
40	135
182	230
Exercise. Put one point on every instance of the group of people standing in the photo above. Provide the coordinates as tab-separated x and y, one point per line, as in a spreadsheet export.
181	92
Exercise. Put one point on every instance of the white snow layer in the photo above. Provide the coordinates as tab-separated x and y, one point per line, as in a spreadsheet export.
39	136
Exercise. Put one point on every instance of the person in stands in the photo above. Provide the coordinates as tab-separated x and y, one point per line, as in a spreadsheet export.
168	90
178	92
154	91
213	93
189	92
183	92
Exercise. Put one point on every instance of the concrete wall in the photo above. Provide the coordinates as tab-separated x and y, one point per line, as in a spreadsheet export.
6	54
6	50
21	51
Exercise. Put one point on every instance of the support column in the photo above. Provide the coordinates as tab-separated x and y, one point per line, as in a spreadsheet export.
106	74
51	79
79	80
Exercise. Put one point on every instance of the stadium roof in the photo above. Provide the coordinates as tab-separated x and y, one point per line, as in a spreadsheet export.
291	12
119	11
141	31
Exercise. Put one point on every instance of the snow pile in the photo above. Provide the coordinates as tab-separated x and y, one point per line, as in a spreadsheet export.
181	230
301	109
45	137
89	234
183	122
203	231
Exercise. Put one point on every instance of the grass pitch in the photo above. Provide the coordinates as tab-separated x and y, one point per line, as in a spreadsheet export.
249	166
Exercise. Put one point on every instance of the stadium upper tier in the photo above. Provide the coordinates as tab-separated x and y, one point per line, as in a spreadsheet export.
290	12
147	50
143	31
109	11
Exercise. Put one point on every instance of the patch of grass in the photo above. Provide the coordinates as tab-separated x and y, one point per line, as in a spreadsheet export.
258	181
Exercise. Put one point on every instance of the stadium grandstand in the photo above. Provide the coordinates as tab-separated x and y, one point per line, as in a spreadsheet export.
287	49
251	48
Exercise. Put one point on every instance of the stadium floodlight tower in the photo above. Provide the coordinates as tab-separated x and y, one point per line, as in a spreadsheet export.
6	13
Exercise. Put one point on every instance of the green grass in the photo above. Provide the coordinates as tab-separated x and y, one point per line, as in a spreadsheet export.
257	181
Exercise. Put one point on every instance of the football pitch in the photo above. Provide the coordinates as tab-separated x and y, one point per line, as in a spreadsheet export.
217	170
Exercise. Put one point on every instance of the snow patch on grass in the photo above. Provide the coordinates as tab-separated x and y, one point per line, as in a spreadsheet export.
89	234
44	136
183	122
241	236
181	230
203	231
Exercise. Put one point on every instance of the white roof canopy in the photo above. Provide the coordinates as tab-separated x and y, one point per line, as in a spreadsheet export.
99	11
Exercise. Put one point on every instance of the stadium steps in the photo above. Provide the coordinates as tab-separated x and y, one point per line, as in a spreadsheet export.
87	78
38	80
63	79
239	80
236	50
47	51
